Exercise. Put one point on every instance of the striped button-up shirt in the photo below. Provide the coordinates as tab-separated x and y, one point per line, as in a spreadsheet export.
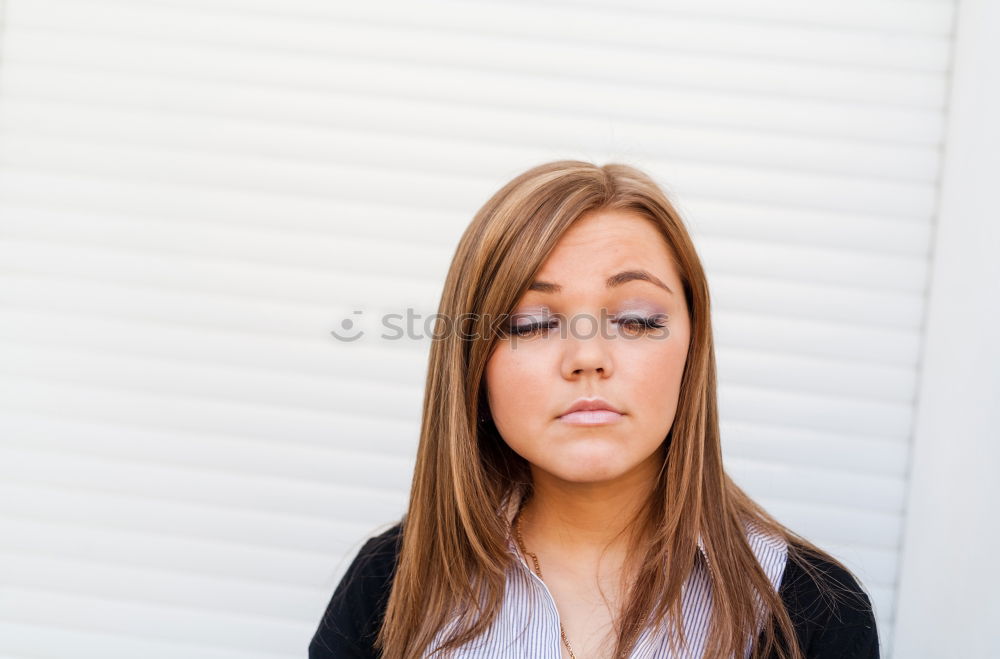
528	621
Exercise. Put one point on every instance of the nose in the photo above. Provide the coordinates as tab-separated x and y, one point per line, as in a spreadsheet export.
586	350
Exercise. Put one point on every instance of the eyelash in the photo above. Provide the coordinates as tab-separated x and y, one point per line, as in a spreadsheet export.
645	324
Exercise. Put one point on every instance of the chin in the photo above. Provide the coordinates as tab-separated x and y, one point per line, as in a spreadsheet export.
594	467
593	476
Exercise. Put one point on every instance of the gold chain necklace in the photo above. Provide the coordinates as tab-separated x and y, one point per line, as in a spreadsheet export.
538	571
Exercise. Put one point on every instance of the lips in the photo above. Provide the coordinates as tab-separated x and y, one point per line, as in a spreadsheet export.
591	412
588	404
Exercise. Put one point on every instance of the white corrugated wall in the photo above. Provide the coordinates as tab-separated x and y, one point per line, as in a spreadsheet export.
193	193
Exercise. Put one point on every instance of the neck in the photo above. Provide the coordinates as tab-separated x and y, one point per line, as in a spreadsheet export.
584	520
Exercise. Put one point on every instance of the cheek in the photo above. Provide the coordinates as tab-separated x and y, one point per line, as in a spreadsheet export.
513	382
654	372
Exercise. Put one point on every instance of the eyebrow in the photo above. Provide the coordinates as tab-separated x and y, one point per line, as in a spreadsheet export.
612	282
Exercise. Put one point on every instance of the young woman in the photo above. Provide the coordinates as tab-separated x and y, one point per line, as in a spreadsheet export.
569	497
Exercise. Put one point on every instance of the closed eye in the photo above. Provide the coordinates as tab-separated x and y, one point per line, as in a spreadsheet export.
527	329
632	325
640	324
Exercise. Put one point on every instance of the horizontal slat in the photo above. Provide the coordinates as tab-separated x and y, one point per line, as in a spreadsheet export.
829	304
45	640
820	412
405	80
208	382
197	593
763	334
188	556
215	490
187	519
631	63
819	484
860	233
843	524
907	274
804	448
350	464
777	372
156	412
258	636
225	382
922	16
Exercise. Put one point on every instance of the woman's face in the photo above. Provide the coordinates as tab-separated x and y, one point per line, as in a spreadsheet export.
578	351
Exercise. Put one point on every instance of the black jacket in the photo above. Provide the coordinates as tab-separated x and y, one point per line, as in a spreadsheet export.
844	629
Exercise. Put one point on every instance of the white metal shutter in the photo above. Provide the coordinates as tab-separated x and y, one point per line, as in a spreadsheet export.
193	193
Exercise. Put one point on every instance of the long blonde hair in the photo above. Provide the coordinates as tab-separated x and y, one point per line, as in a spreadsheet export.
454	554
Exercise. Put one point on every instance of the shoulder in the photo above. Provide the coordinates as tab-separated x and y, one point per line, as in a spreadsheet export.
831	612
380	551
354	614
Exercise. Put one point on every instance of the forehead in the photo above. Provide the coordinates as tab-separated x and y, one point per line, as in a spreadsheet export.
607	241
